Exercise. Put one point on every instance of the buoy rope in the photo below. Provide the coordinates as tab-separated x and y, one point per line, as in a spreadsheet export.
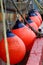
5	37
36	32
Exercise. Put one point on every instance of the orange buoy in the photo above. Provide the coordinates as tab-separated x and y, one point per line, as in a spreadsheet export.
16	48
25	33
32	24
38	14
33	16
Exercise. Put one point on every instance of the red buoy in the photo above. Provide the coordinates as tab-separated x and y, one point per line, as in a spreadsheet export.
38	14
33	16
25	33
32	24
16	48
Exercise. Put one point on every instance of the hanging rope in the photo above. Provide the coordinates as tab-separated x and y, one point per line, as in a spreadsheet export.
36	32
5	37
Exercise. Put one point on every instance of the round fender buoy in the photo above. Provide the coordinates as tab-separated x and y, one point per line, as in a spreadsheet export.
38	14
32	24
16	48
33	16
25	33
